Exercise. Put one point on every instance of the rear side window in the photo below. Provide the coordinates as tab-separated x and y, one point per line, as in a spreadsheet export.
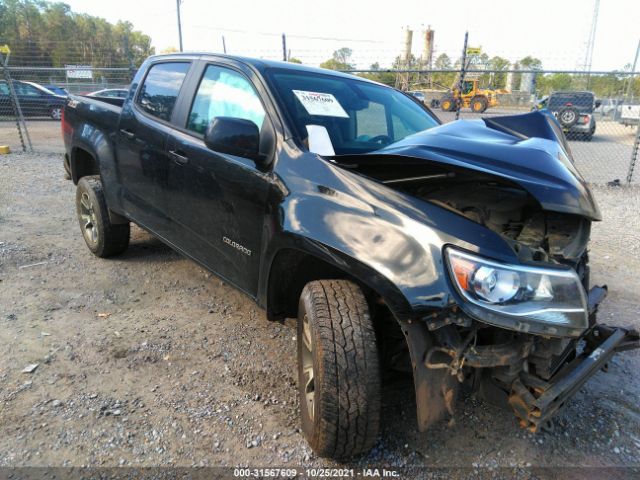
160	89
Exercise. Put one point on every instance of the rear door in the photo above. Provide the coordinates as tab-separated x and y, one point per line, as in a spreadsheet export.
142	161
219	200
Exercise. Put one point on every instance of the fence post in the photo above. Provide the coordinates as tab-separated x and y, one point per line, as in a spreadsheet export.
634	154
20	122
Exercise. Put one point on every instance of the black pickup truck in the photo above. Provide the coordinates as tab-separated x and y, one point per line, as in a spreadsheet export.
454	252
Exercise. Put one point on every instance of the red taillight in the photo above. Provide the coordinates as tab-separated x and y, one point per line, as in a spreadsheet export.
66	127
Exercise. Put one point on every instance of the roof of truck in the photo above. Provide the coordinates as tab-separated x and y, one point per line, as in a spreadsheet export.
260	63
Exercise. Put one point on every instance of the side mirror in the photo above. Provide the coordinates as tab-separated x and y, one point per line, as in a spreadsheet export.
598	103
235	136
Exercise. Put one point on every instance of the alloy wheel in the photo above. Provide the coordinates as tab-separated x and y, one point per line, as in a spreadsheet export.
88	217
307	367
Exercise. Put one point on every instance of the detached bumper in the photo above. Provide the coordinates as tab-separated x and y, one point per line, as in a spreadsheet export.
535	401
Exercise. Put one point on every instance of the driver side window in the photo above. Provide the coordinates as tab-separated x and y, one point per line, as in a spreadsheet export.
224	93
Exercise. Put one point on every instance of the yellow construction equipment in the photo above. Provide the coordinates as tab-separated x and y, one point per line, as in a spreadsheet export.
473	97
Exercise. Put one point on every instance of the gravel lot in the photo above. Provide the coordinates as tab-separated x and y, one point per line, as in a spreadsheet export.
148	360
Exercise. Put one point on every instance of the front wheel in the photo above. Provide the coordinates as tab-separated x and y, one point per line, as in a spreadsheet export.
479	104
338	369
103	237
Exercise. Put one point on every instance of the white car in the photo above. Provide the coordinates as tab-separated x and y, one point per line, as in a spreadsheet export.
110	93
629	115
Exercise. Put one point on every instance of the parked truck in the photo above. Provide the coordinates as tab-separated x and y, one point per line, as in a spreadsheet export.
455	252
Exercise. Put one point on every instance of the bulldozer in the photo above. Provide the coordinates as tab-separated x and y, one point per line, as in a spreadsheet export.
474	97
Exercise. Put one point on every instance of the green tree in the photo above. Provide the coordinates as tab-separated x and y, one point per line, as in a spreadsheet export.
341	60
499	63
49	34
380	76
444	79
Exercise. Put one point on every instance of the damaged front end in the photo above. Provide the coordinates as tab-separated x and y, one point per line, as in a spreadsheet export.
524	334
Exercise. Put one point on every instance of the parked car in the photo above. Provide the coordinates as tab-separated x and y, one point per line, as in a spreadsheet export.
575	112
629	114
609	107
419	95
34	99
457	252
110	93
57	90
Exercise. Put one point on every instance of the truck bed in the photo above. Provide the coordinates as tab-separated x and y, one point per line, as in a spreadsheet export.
100	113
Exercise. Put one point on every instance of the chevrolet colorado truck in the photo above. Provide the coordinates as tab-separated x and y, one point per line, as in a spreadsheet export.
456	252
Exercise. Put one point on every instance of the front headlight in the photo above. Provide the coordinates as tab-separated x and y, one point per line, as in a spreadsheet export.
546	301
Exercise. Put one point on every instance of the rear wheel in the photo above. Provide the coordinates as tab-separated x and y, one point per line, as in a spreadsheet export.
338	369
103	237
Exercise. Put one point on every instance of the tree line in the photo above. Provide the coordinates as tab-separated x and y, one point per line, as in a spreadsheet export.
614	84
46	34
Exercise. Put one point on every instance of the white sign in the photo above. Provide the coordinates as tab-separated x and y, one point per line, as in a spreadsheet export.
323	104
79	71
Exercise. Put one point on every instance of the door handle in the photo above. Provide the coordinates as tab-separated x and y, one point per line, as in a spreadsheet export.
128	133
178	157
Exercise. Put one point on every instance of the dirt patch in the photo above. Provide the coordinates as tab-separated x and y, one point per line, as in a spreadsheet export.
149	360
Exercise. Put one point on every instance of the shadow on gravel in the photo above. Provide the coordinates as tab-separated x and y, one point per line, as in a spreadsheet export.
148	249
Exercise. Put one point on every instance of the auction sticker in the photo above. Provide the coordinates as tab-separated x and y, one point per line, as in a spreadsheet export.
323	104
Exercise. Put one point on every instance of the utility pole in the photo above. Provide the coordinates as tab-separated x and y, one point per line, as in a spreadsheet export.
633	69
224	45
463	67
591	41
178	2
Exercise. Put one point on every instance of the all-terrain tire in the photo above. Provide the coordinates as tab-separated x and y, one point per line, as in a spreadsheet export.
106	239
344	417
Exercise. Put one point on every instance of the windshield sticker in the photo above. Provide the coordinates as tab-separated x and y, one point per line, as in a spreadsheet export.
323	104
319	140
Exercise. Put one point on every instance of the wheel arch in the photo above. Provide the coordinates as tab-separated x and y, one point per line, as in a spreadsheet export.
292	267
82	163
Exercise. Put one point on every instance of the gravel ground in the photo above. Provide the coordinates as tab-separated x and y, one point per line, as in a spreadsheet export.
148	360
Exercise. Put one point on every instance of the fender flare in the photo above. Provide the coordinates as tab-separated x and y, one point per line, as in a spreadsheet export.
364	274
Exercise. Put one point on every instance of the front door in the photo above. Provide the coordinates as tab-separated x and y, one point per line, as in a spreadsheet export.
217	199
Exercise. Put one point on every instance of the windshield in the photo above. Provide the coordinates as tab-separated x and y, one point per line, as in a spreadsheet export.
582	101
358	116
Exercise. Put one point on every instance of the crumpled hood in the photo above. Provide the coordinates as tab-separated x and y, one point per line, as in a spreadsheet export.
528	150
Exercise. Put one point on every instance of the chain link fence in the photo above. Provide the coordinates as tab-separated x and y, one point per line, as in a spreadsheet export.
603	131
31	100
604	136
